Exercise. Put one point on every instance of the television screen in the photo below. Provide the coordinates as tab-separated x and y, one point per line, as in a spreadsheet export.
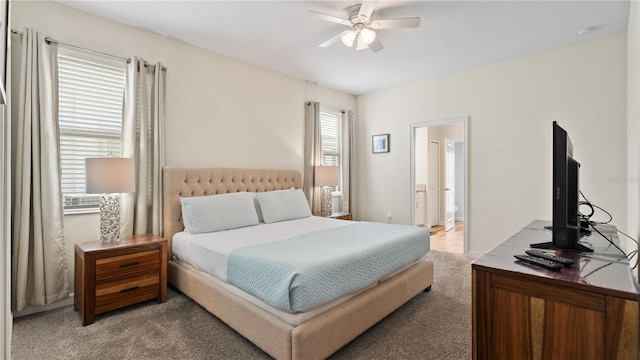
565	192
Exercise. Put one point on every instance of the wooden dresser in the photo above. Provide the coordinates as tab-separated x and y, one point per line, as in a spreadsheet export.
111	276
586	311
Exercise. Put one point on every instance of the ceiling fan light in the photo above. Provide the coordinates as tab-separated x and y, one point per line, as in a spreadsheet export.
367	35
348	38
361	45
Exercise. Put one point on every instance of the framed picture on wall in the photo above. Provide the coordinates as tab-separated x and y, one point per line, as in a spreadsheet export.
380	143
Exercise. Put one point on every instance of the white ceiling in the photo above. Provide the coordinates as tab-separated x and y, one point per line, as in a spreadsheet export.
453	35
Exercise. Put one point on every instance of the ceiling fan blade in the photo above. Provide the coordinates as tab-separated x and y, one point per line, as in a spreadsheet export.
333	40
330	18
366	9
376	45
412	22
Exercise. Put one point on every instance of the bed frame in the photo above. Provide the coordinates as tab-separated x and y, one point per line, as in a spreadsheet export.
318	337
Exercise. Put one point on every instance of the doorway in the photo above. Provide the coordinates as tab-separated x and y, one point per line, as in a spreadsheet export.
439	182
433	182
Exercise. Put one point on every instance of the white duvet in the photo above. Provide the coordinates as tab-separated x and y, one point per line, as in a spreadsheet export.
208	252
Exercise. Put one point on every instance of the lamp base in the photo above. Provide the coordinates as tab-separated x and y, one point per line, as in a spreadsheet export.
326	201
110	218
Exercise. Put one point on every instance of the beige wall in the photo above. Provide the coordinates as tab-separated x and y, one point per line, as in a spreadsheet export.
633	124
219	111
510	106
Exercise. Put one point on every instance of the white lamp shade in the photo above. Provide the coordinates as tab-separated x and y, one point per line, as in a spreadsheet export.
109	175
327	175
348	38
367	35
360	44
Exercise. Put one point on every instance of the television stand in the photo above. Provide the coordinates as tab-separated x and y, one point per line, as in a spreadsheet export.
578	245
585	311
584	229
549	245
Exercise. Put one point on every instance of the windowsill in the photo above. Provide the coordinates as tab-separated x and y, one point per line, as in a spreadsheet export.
81	211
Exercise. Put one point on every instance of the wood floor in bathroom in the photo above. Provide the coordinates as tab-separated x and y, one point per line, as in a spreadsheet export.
450	241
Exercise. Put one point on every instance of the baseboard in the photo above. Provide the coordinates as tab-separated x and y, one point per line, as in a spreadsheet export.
459	218
474	254
33	309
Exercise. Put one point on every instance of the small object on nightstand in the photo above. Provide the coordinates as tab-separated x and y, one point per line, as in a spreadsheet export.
326	176
114	275
339	216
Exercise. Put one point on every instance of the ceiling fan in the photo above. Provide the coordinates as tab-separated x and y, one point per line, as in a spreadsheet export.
362	32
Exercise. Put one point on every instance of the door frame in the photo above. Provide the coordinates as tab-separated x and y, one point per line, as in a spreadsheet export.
439	187
447	165
412	188
455	142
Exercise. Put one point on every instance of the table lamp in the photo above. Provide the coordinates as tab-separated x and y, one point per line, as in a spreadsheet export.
109	177
326	176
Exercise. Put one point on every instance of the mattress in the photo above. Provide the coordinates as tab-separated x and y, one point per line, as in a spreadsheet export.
209	252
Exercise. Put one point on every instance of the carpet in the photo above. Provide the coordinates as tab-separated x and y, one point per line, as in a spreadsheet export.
433	325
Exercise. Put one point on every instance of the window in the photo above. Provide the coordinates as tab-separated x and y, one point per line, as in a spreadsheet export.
331	136
91	88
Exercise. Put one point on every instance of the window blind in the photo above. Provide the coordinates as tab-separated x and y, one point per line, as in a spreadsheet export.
330	135
90	89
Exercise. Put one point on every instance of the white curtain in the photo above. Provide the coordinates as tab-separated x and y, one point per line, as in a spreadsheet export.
348	165
39	267
312	154
143	140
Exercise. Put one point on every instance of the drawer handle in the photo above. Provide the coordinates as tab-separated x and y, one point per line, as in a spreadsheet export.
130	264
129	289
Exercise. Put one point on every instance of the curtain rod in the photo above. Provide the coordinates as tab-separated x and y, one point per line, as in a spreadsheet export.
50	40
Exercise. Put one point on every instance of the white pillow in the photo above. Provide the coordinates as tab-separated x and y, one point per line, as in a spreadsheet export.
203	214
283	205
185	215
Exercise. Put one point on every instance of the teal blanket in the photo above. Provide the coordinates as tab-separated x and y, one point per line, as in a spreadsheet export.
304	272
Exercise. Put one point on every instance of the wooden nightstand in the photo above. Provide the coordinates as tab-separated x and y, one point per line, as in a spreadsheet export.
339	216
111	276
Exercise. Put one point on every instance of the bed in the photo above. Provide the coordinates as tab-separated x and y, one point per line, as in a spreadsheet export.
314	334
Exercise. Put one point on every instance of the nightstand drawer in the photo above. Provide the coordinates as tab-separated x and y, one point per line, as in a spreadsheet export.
128	265
124	286
125	295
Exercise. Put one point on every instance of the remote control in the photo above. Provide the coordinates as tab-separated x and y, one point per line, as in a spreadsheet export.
547	264
545	255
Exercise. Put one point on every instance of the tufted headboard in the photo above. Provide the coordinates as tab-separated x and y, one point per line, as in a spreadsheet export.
183	182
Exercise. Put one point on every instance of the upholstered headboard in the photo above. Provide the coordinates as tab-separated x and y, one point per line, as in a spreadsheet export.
182	182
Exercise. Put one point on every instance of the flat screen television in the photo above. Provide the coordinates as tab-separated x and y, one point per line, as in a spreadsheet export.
566	191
